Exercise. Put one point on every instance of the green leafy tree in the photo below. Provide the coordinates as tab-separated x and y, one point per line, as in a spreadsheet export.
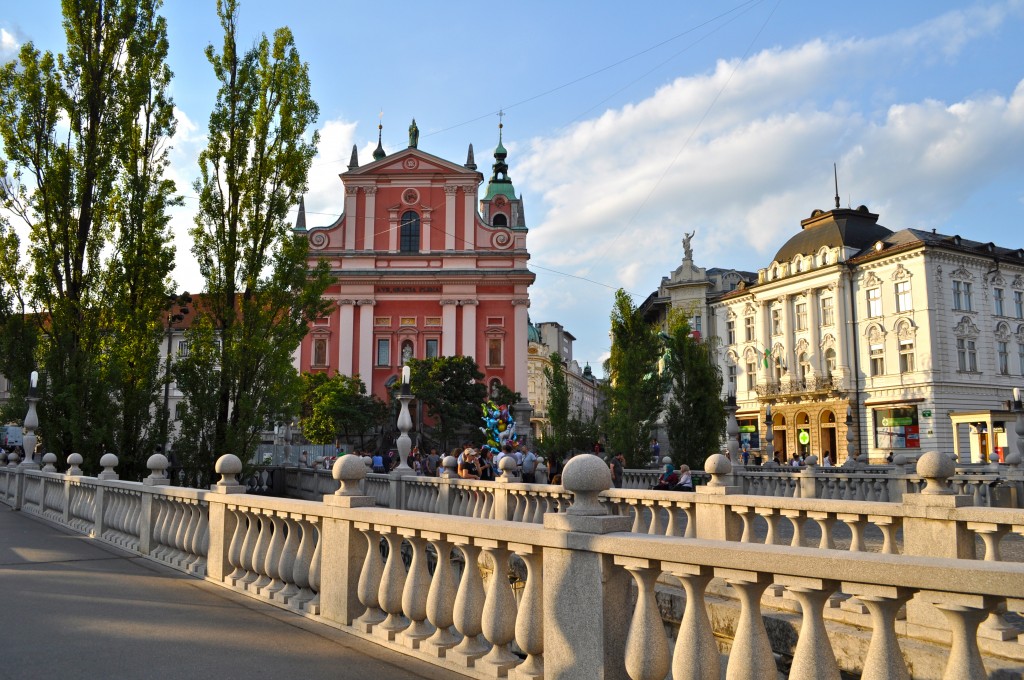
259	296
583	432
85	136
696	413
340	406
634	389
451	392
558	404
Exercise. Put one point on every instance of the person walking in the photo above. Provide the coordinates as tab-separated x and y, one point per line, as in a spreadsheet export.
618	466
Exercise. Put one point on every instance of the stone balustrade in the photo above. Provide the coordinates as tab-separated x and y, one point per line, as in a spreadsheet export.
528	581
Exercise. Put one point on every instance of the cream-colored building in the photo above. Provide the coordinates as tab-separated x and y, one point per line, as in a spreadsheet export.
919	334
545	339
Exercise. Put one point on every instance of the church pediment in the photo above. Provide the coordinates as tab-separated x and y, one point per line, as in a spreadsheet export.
412	161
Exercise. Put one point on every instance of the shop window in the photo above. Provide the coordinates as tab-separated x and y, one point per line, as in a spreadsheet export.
749	432
383	352
410	233
897	428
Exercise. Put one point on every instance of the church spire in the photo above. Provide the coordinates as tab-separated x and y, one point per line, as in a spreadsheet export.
353	162
470	161
500	182
378	153
300	219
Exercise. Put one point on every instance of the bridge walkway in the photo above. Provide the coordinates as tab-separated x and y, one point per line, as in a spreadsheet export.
73	607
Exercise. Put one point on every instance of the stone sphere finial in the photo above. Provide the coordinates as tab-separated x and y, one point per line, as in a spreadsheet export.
936	468
108	462
586	477
12	459
718	466
811	461
48	460
508	467
451	467
1013	458
74	464
666	460
228	467
157	465
349	471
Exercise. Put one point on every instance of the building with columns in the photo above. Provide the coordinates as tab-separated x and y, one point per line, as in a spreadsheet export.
422	268
920	335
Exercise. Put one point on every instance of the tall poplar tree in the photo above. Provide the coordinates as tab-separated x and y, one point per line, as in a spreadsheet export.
259	297
696	414
634	387
558	405
84	136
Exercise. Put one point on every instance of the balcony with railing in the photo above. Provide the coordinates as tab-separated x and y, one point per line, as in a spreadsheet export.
815	385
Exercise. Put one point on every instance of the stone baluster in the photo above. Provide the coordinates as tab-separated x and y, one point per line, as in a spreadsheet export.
160	510
286	560
304	561
518	501
639	518
191	533
825	522
771	517
964	613
696	654
252	533
369	581
312	605
995	627
856	523
441	598
814	658
672	525
392	583
498	619
884	659
751	657
530	620
889	526
656	527
796	520
234	557
414	596
647	655
746	514
273	560
469	606
259	559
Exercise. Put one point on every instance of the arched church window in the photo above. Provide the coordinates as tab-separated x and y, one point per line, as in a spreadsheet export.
500	220
410	233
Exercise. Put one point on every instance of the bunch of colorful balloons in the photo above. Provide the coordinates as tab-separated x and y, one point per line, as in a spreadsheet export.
500	427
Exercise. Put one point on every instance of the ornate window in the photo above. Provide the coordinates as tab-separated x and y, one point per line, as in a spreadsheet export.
500	220
997	301
906	355
804	366
966	355
776	321
752	372
874	302
962	296
731	375
1020	356
182	348
494	352
877	355
320	352
748	328
830	362
383	351
779	367
828	311
410	233
730	327
801	316
904	301
1003	352
1018	304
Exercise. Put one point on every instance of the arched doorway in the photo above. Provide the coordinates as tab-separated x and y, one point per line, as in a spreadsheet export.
829	445
779	432
803	433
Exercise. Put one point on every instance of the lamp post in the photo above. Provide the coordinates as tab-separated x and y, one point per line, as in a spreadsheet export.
769	435
173	317
850	458
732	430
404	423
31	423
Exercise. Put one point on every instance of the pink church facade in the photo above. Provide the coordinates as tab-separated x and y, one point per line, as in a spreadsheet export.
422	268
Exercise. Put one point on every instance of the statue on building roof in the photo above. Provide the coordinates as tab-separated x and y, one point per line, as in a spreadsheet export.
414	135
687	250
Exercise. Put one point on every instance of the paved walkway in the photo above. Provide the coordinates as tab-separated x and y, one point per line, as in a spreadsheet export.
73	607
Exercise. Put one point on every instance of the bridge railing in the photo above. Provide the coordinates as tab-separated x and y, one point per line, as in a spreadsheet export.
552	598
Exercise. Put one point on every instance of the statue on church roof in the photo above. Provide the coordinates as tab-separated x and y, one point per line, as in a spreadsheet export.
414	135
687	250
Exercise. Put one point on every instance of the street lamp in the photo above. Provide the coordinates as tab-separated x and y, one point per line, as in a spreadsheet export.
769	435
173	317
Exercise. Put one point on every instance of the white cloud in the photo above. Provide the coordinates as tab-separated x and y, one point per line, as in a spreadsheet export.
9	44
325	196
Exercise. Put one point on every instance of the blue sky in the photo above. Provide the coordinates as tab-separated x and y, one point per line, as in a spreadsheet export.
627	126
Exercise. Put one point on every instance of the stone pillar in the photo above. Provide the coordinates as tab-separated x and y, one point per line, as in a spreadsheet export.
764	338
469	329
789	339
369	217
221	523
449	216
577	580
469	221
814	311
519	345
350	217
366	348
448	327
344	547
716	521
346	338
